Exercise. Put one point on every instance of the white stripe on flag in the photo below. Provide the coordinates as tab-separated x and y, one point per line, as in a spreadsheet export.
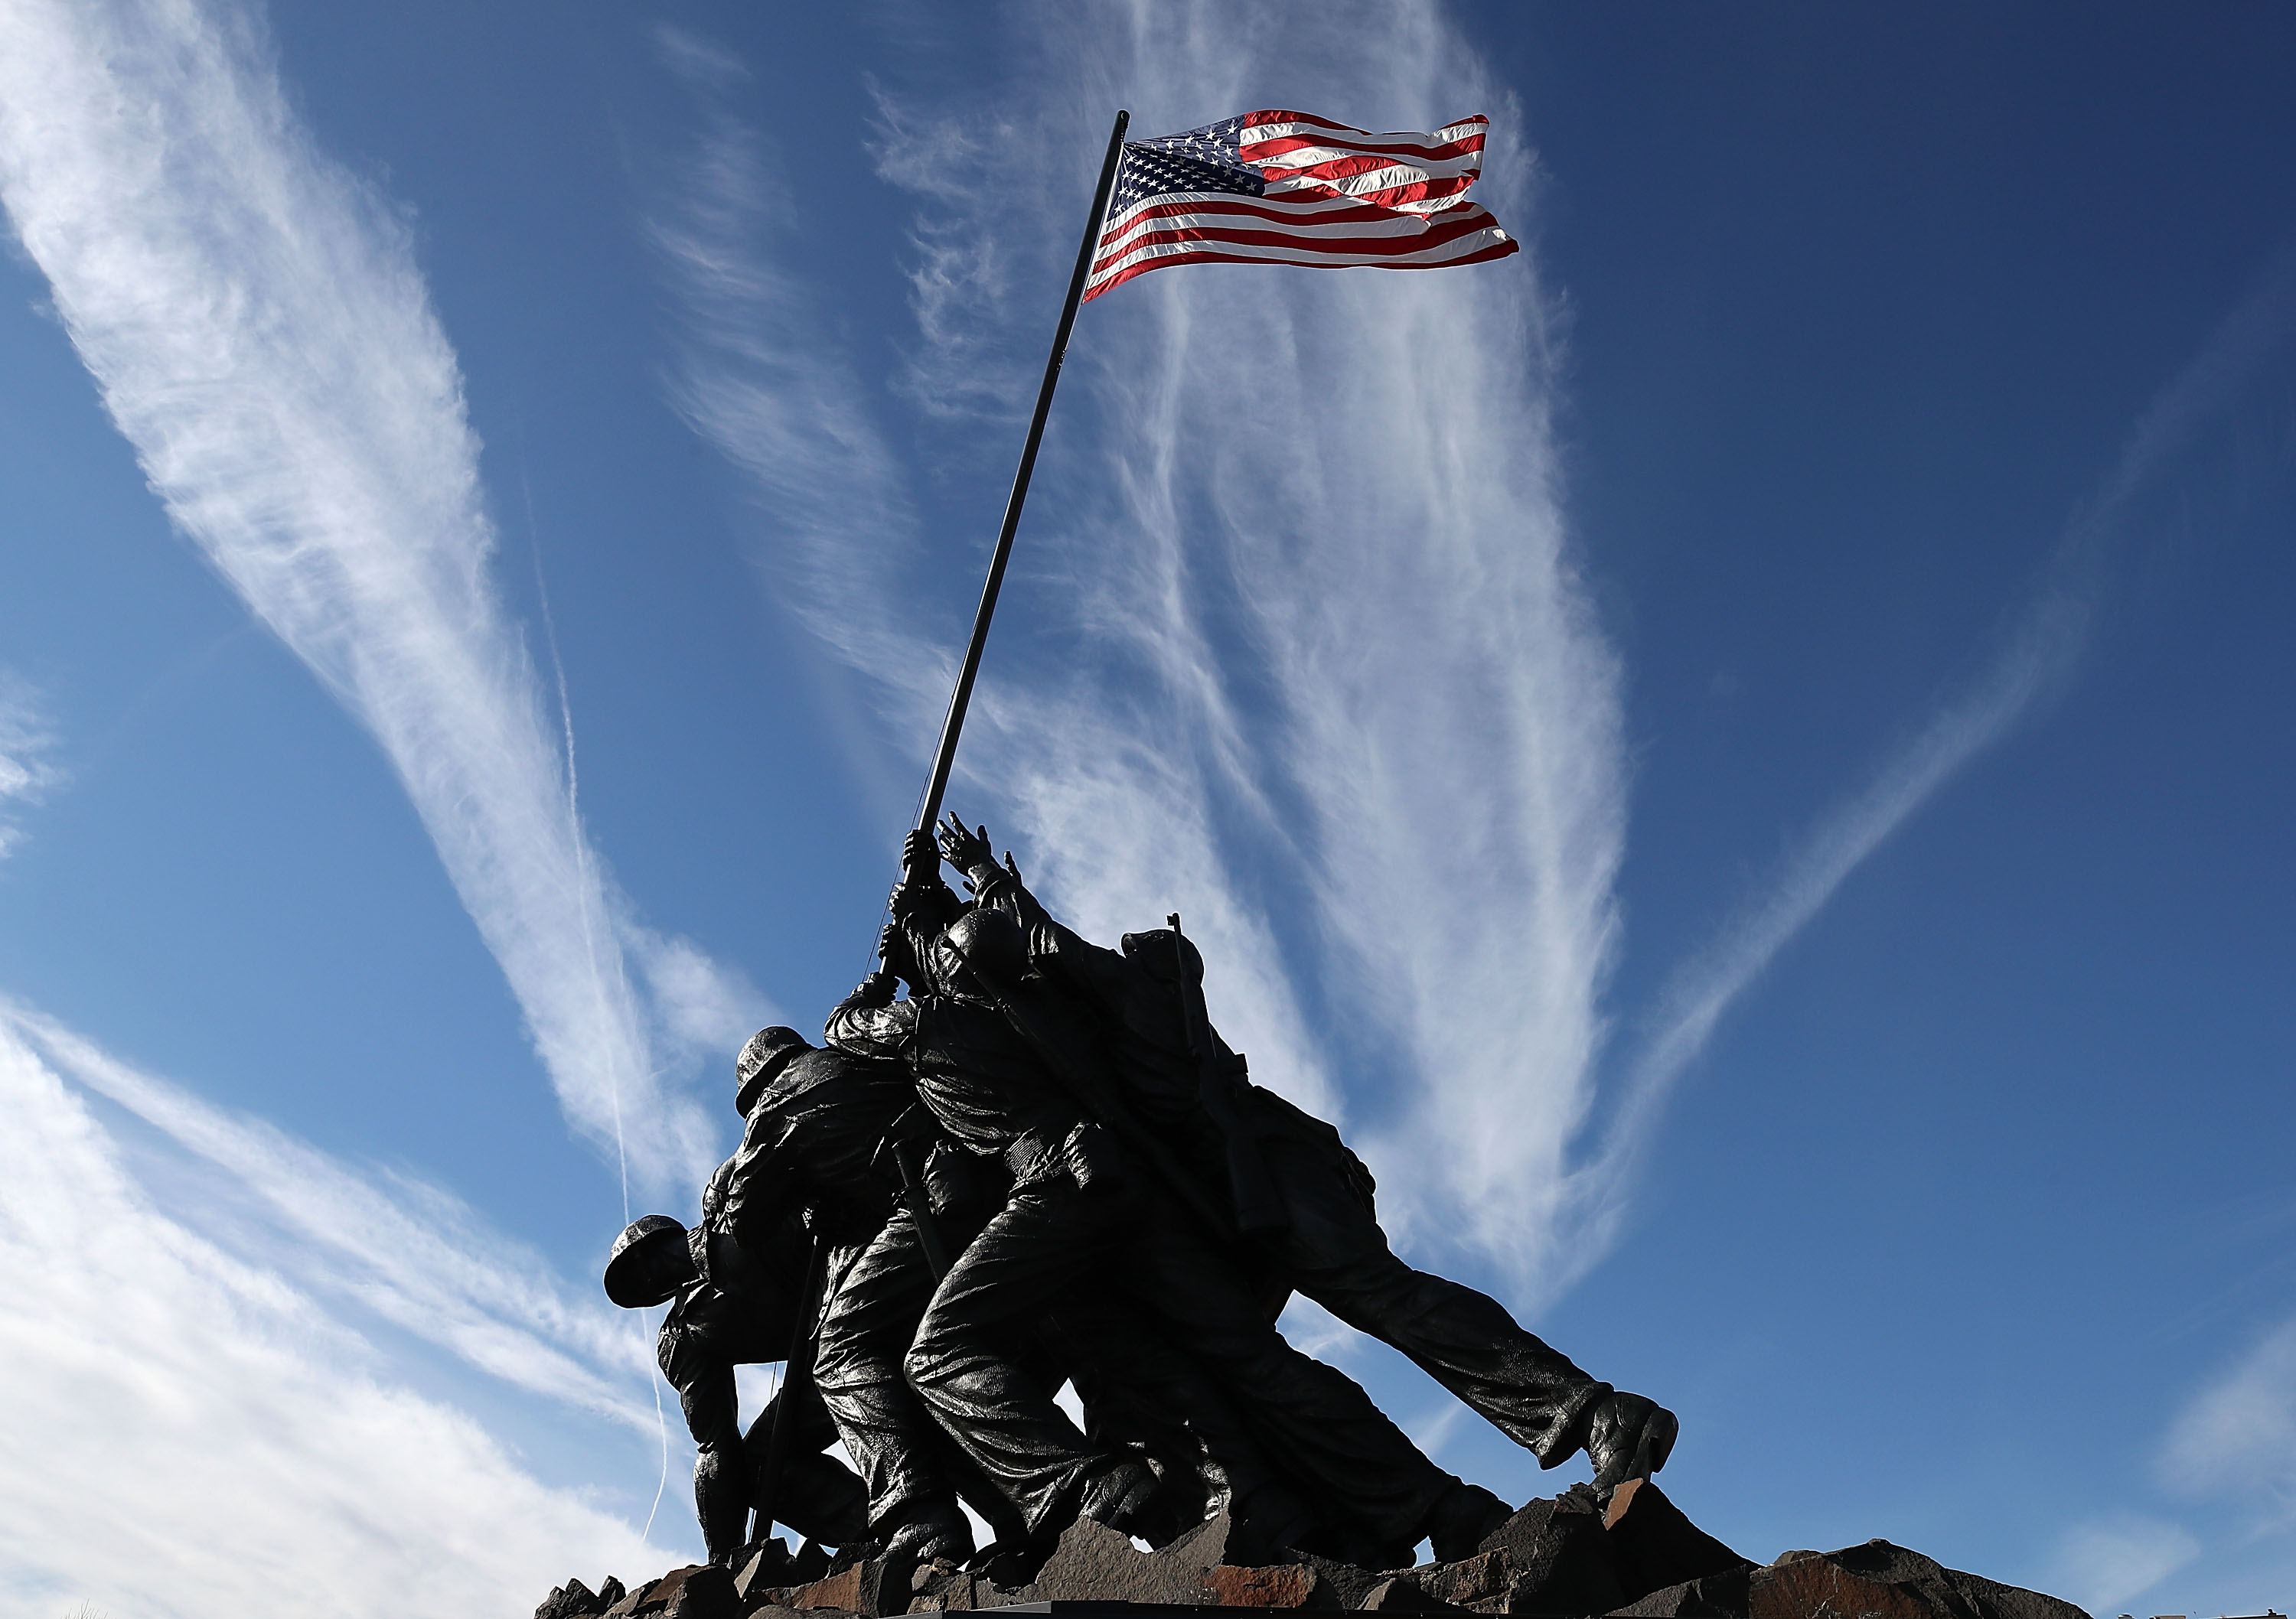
1458	248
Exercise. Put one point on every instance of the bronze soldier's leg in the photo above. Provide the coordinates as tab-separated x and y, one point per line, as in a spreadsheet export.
966	1362
1315	1422
1139	1389
721	1468
864	1332
819	1497
1335	1253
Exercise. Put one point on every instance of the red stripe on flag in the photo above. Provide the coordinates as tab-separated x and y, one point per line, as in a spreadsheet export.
1442	228
1340	211
1291	249
1279	147
1498	249
1402	143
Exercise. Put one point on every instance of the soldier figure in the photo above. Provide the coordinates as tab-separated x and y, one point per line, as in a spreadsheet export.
1325	1238
825	1134
726	1310
1045	1163
1079	1206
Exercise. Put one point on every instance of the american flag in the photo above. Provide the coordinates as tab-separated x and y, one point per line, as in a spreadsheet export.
1288	188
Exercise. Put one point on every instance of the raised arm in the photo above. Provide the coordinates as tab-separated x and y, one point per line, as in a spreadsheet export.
1084	965
922	903
756	1187
870	1023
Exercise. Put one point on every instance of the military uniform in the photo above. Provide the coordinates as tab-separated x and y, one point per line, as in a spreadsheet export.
741	1311
813	1140
1329	1247
1077	1213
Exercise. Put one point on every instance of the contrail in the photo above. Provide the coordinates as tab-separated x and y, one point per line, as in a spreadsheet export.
1331	684
258	329
2036	661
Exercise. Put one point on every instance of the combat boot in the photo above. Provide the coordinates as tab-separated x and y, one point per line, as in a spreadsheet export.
1462	1515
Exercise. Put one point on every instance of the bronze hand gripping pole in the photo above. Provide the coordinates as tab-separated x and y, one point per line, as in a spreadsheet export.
799	1363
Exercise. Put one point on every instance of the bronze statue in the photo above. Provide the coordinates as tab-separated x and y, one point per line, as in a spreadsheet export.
1043	1164
1317	1223
1084	1202
727	1310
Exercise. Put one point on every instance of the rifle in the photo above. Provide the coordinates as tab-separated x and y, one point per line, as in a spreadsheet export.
797	1372
914	1196
1259	1209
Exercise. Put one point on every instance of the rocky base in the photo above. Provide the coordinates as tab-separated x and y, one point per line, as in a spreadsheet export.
1640	1558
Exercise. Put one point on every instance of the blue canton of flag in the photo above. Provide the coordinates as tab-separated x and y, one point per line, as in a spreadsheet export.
1208	160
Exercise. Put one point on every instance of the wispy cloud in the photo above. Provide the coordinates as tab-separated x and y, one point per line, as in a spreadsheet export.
2037	656
1328	683
26	772
2239	1434
193	1430
754	378
411	1253
2108	1561
1326	677
258	331
2230	1452
1700	993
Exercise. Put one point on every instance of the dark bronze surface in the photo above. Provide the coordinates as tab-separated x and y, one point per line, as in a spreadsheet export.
1022	1162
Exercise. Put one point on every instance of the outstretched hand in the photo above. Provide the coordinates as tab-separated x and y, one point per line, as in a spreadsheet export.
962	847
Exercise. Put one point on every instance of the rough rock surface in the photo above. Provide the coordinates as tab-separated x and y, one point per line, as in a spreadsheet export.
1879	1577
1636	1557
571	1600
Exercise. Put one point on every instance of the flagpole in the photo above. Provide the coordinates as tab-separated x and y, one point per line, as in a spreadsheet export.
945	756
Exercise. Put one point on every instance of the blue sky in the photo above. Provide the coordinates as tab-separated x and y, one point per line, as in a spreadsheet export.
1743	753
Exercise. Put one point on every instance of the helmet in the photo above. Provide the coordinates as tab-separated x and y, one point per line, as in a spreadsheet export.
1153	951
767	1053
988	945
627	1281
